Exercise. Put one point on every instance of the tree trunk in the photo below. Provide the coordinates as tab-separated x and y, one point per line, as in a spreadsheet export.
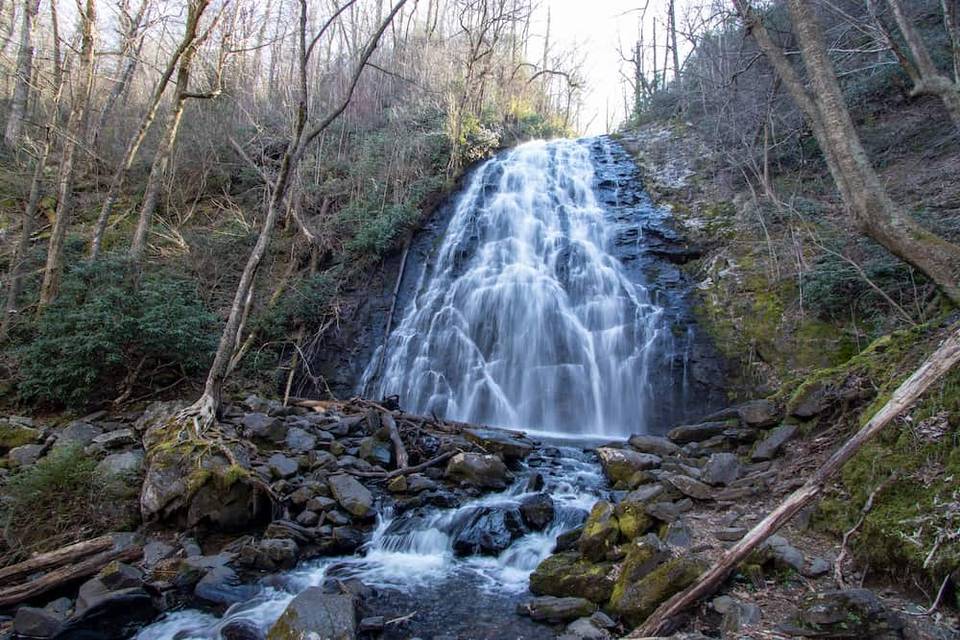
54	268
21	91
863	193
932	369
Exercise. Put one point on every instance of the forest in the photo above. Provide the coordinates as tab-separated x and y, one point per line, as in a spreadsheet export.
316	313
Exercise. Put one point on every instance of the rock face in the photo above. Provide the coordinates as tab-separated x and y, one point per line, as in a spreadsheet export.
315	614
480	470
620	464
568	574
352	496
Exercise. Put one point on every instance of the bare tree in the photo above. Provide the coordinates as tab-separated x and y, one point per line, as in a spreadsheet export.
21	93
864	194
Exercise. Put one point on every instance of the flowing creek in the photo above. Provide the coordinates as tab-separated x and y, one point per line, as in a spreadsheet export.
549	305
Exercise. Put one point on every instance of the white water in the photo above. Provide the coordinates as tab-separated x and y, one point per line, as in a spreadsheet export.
526	320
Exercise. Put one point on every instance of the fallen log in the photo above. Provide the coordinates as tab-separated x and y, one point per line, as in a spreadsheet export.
935	366
399	451
383	475
10	596
57	557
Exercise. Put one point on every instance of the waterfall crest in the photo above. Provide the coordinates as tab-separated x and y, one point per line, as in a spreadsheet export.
525	320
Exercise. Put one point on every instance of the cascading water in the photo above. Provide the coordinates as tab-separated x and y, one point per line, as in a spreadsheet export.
526	320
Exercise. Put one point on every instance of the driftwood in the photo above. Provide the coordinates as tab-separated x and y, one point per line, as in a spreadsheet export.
10	596
935	366
399	451
55	558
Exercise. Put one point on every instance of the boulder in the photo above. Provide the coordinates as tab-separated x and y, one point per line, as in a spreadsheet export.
486	531
657	445
847	613
632	513
128	463
282	467
25	455
758	413
507	446
537	511
721	469
13	435
300	440
690	487
554	610
315	614
240	629
32	622
585	629
352	496
264	427
769	447
375	451
115	439
481	470
397	485
113	615
809	400
620	464
736	614
569	574
634	599
78	434
600	533
222	586
698	432
270	554
118	575
669	510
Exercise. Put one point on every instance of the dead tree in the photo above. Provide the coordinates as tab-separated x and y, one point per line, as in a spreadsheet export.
81	100
21	91
864	194
932	369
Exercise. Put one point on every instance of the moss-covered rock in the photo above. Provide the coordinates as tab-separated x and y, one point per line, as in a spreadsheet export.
619	465
632	516
600	533
570	574
14	435
635	599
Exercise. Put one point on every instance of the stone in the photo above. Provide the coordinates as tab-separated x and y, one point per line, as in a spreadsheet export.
264	427
632	513
730	534
554	610
397	485
352	496
784	554
849	613
758	413
736	615
300	440
128	463
567	541
620	464
508	446
635	599
313	613
481	470
569	574
535	482
669	510
375	451
115	439
721	469
585	629
816	567
697	432
155	551
347	539
32	622
320	504
678	534
486	531
114	616
222	586
118	575
372	624
13	435
690	487
282	467
25	455
61	607
770	446
657	445
270	554
600	533
537	511
240	629
308	519
78	434
809	401
417	482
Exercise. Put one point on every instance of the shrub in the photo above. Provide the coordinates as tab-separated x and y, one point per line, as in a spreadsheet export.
61	499
104	328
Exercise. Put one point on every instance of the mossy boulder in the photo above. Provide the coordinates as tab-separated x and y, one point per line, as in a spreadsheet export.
619	465
632	514
13	435
600	533
570	574
315	614
635	599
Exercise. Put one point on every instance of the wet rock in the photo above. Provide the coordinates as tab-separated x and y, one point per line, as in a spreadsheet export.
128	463
270	554
118	575
690	487
635	599
849	613
770	446
721	469
112	616
221	585
192	569
264	427
809	401
352	496
697	432
417	482
657	445
556	610
32	622
486	531
300	440
758	413
375	451
567	541
537	511
506	445
535	482
25	455
585	629
397	485
346	539
600	533
282	467
620	464
569	574
241	629
373	624
481	470
78	434
314	613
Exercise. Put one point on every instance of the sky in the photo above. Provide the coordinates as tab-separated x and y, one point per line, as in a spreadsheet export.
597	28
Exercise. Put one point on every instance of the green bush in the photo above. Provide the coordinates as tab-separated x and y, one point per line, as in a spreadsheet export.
61	499
104	326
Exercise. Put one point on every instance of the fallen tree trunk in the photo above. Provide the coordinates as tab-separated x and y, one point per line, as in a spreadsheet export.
935	366
10	596
399	451
57	557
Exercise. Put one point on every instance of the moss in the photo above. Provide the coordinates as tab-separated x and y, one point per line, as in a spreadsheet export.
15	435
634	601
568	574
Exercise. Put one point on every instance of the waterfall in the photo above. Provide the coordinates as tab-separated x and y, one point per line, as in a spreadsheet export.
525	319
